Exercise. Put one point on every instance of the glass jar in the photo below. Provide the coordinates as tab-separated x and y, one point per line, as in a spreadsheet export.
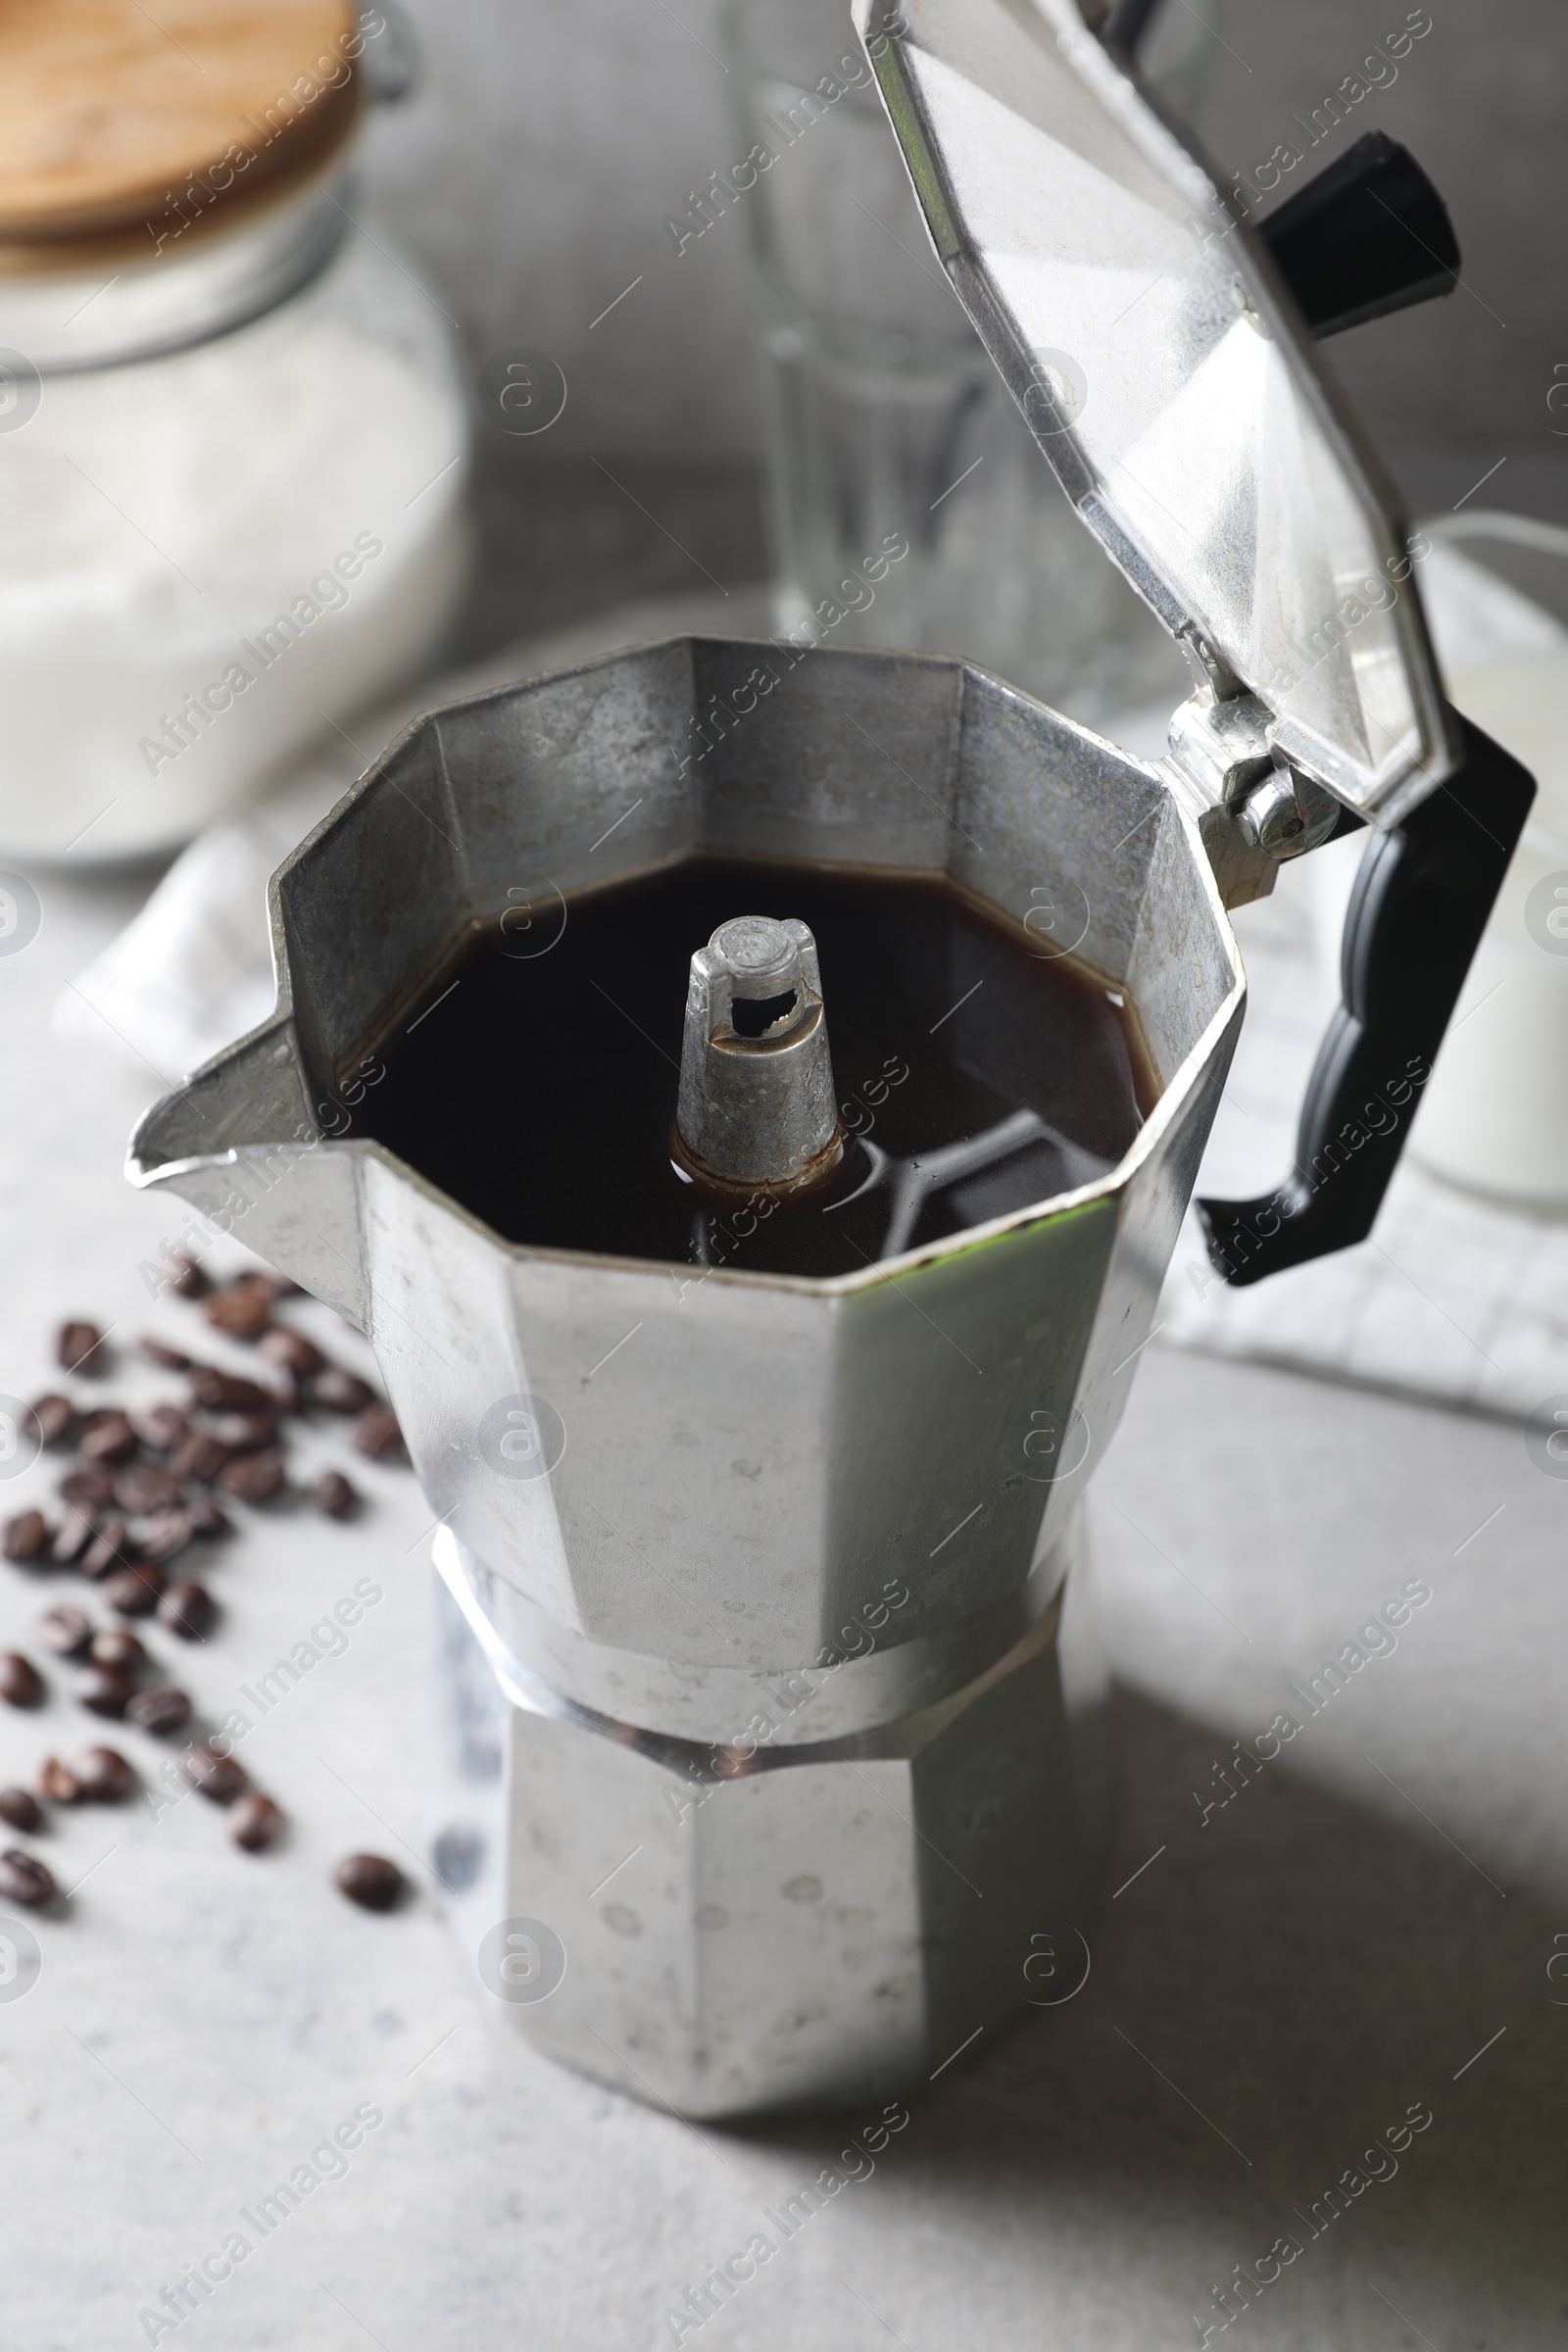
232	436
907	501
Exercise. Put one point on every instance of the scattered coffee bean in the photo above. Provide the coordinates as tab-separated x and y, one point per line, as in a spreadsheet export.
219	1777
239	1453
146	1487
291	1351
66	1629
333	1494
376	1432
370	1881
187	1609
165	1534
339	1391
56	1418
23	1877
198	1456
107	1437
80	1349
156	1352
160	1710
270	1284
20	1683
245	1433
185	1276
110	1549
24	1536
240	1308
103	1690
163	1427
220	1393
252	1477
133	1592
118	1648
89	1487
104	1777
72	1539
255	1822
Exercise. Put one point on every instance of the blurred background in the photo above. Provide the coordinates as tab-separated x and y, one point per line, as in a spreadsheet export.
533	175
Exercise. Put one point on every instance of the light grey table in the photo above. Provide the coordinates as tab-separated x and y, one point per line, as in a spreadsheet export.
1271	1986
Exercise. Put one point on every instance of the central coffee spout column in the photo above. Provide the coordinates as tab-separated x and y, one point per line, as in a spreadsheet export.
755	1111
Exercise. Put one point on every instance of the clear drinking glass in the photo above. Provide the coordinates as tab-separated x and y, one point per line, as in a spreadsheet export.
886	424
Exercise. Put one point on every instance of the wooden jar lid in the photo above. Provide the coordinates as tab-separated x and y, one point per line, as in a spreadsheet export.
128	131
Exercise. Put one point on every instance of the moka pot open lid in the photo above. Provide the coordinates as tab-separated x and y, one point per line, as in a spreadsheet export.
1166	376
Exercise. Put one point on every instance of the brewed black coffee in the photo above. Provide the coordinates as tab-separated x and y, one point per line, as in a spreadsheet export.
978	1069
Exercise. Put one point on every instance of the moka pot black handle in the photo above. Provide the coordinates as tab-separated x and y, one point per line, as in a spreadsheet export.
1422	899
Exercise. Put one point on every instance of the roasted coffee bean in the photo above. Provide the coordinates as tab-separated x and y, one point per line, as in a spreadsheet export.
117	1647
56	1784
333	1494
133	1592
20	1808
161	1427
157	1352
187	1609
165	1534
20	1683
267	1281
107	1437
252	1477
220	1393
187	1278
80	1349
288	1394
110	1549
103	1689
24	1536
370	1881
291	1351
376	1432
206	1519
161	1709
72	1539
219	1777
23	1877
146	1487
240	1308
338	1392
198	1456
66	1629
255	1822
245	1433
104	1777
56	1418
89	1487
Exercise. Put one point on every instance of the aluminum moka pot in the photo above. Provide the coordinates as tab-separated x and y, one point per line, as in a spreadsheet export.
770	1780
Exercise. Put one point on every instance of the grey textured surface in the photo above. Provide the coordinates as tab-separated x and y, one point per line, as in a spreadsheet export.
1274	1989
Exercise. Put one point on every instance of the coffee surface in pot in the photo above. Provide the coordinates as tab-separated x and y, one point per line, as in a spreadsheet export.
977	1068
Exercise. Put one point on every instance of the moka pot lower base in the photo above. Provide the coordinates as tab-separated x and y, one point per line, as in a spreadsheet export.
865	1872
